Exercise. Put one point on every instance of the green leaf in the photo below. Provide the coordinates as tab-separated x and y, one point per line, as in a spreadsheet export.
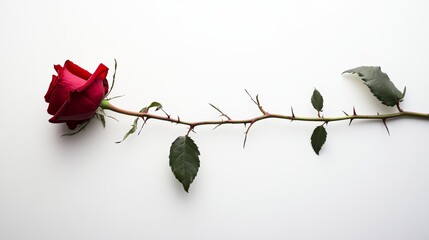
403	92
317	100
184	160
134	126
81	128
155	104
99	114
102	120
379	84
131	131
113	79
318	138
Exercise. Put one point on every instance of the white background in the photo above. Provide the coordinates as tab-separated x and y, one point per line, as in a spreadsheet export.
186	54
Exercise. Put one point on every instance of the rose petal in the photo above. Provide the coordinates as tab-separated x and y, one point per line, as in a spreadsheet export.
66	83
51	88
100	74
75	94
106	86
76	70
84	101
58	68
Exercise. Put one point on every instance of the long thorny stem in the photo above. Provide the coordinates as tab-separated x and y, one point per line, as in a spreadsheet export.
265	115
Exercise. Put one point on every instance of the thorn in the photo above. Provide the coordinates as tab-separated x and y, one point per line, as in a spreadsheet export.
245	135
354	114
144	123
251	98
293	114
221	113
385	124
166	114
217	126
245	140
256	102
178	119
345	113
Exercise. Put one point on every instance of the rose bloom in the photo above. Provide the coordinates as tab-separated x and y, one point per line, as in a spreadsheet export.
75	94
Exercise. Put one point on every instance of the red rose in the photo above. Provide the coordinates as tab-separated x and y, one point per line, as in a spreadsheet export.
75	94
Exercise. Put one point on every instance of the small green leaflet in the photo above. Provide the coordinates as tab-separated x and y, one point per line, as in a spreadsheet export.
81	128
155	104
99	114
113	79
318	138
102	119
133	129
184	160
379	84
317	100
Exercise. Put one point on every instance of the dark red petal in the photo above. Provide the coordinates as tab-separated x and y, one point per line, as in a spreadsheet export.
76	70
84	101
81	106
58	68
77	95
66	83
100	74
106	86
51	88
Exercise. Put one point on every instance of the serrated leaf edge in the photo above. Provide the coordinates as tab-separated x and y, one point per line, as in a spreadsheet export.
315	147
392	90
194	153
317	100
